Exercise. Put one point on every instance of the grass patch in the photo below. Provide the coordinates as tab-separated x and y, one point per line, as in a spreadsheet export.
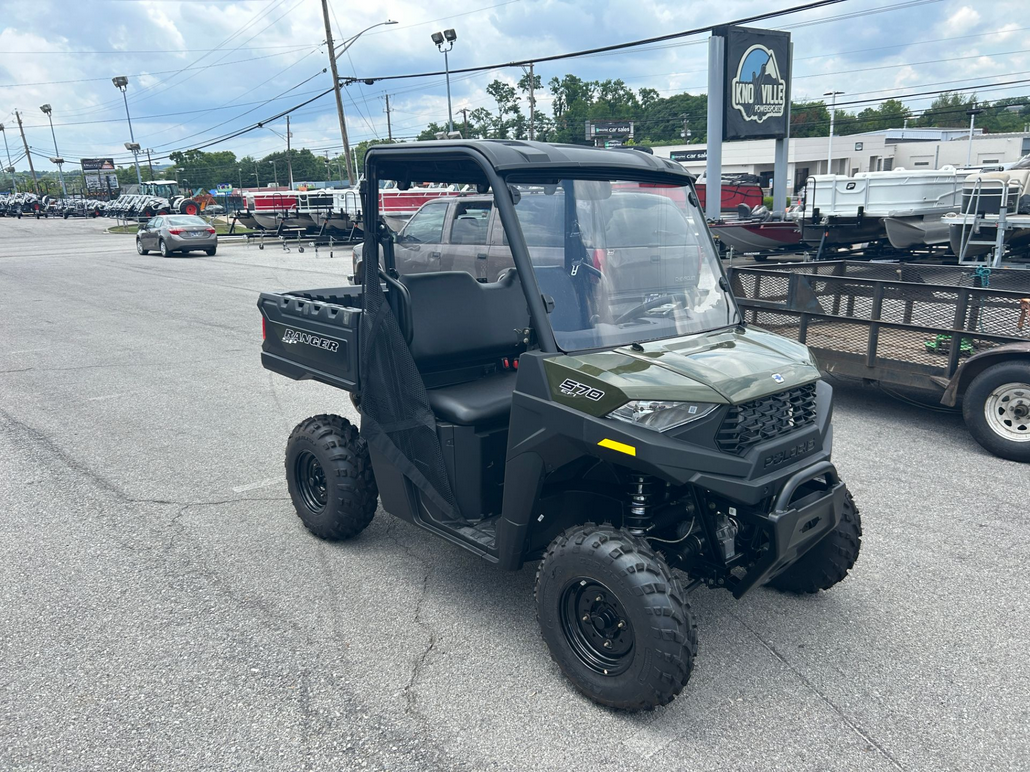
220	228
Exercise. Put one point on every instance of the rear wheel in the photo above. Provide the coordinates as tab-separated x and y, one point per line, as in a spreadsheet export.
829	561
190	207
163	247
210	252
140	248
330	479
615	618
996	408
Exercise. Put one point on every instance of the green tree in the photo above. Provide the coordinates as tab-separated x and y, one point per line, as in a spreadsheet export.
948	110
507	104
809	119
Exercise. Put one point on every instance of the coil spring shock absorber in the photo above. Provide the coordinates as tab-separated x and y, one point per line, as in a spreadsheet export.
640	495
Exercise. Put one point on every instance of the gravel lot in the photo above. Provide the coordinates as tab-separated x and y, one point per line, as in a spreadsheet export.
161	606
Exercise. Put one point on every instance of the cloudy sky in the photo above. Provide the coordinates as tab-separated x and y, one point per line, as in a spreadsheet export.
199	69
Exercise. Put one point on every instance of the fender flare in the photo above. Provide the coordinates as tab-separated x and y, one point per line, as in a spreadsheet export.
976	364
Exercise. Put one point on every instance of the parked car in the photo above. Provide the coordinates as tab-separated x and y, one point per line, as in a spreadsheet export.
634	234
173	233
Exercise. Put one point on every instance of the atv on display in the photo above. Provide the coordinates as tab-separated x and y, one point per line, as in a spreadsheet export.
600	407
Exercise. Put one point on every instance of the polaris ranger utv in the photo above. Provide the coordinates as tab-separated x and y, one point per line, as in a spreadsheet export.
598	406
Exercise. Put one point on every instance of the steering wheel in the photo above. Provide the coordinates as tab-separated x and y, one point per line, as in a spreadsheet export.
642	308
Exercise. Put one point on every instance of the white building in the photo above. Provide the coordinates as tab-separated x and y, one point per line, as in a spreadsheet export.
923	148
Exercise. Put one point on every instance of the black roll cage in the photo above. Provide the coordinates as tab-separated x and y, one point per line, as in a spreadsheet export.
380	234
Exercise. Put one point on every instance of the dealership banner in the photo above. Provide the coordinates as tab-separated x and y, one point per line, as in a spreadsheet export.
757	83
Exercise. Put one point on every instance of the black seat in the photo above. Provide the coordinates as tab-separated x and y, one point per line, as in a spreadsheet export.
460	331
475	403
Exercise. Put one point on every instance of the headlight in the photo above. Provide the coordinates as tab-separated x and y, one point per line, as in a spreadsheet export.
661	415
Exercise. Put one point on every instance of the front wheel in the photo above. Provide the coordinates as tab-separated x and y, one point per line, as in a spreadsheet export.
830	560
330	479
140	248
615	618
996	408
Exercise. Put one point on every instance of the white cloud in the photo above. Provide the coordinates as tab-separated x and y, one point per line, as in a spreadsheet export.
962	21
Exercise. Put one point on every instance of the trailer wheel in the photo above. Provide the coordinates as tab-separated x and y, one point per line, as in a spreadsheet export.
615	618
829	561
330	479
996	408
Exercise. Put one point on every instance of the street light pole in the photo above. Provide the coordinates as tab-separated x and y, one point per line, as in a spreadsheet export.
28	155
972	113
47	110
448	36
10	166
829	147
333	56
122	84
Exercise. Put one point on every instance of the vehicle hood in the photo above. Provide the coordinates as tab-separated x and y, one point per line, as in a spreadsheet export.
729	366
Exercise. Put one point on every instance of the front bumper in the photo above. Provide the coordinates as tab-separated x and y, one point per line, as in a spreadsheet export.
794	527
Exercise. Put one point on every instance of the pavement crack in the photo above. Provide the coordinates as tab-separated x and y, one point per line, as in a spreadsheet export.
864	734
418	665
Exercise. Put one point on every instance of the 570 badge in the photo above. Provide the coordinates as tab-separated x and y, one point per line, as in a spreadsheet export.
571	388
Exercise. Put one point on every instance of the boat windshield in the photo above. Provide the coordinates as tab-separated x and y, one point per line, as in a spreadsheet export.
621	262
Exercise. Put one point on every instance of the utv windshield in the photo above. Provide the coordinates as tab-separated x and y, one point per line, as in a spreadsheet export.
621	262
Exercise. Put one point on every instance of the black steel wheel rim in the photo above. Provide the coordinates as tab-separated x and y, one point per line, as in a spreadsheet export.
596	627
311	481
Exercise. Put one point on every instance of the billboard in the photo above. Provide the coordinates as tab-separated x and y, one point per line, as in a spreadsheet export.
99	175
97	164
756	103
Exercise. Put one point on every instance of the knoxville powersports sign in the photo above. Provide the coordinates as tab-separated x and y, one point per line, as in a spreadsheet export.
756	103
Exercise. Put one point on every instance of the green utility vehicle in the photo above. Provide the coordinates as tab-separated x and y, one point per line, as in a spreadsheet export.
600	407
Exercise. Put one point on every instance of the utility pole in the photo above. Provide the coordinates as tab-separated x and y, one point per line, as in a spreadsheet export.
532	104
150	163
28	155
336	90
289	153
389	129
465	120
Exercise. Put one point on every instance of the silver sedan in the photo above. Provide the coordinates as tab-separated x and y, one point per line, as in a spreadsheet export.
173	233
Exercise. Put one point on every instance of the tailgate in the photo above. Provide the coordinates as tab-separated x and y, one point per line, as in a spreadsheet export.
309	336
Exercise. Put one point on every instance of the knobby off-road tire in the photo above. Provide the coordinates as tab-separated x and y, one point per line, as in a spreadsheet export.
140	249
598	583
330	479
829	561
995	410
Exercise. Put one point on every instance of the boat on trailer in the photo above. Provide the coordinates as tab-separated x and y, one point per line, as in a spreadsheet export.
901	206
991	199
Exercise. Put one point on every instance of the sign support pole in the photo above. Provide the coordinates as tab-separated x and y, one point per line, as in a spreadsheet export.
713	170
781	153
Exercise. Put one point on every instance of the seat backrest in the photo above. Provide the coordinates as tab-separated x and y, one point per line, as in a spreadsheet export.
457	321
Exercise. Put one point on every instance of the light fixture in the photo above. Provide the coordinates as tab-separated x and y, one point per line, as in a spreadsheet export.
133	146
46	109
438	38
450	35
120	81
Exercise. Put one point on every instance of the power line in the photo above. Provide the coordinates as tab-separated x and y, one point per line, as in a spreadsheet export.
615	46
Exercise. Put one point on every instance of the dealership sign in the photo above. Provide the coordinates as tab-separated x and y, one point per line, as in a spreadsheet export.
756	102
689	155
609	129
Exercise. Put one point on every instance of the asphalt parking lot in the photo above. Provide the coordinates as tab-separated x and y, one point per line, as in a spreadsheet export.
161	606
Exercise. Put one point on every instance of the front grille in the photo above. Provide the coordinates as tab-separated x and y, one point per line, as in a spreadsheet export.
767	418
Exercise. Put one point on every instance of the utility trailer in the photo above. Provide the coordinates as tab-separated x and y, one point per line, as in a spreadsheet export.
959	334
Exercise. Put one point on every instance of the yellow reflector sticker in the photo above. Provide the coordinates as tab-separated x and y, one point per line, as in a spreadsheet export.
622	447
